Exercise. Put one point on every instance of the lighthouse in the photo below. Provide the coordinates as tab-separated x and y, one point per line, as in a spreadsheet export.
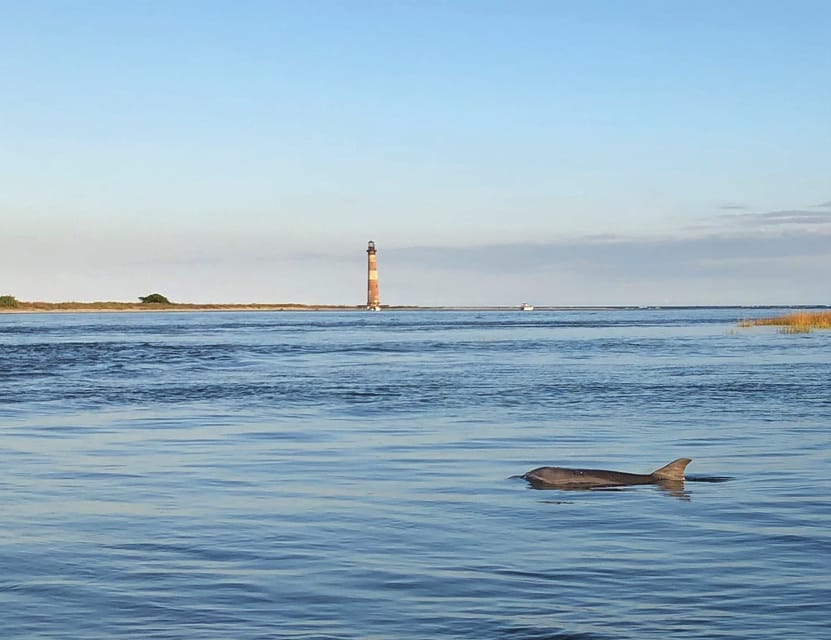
373	301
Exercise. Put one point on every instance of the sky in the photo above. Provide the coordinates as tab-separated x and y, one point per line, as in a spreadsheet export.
560	153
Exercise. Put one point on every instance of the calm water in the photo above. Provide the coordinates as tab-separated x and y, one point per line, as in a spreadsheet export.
347	475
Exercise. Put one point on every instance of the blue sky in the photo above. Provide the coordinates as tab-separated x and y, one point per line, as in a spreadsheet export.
572	153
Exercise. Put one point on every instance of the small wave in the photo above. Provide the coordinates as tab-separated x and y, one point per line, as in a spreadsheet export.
696	478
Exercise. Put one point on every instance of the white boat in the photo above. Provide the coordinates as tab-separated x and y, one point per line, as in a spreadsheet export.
526	307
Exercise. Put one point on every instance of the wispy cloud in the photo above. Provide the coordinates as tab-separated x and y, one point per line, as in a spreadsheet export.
629	256
823	205
734	266
786	217
733	206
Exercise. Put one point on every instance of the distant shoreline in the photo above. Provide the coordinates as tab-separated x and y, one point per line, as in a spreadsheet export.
133	307
143	307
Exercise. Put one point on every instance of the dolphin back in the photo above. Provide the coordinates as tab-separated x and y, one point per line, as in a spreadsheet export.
673	471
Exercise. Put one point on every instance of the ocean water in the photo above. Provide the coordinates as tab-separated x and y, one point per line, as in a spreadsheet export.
349	475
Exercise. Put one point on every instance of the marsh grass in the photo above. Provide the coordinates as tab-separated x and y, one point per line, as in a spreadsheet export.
799	322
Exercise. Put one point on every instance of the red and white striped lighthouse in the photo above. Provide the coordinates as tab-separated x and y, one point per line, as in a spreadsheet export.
373	301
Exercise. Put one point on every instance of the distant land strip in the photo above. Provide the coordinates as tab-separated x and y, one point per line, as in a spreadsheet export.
45	307
21	306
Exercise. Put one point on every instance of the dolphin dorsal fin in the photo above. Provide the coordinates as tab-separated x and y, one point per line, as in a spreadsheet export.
673	471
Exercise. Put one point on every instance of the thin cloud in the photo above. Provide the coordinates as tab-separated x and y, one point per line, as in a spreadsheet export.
630	256
786	217
733	206
738	266
823	205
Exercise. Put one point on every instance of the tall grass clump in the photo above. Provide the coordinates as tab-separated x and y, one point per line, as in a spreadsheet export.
798	322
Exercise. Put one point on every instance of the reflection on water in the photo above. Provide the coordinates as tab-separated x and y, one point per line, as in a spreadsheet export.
671	488
343	475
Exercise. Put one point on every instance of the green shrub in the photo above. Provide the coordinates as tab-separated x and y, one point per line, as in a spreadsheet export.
9	302
157	298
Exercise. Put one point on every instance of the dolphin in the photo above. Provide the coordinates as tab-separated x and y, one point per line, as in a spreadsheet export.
561	478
